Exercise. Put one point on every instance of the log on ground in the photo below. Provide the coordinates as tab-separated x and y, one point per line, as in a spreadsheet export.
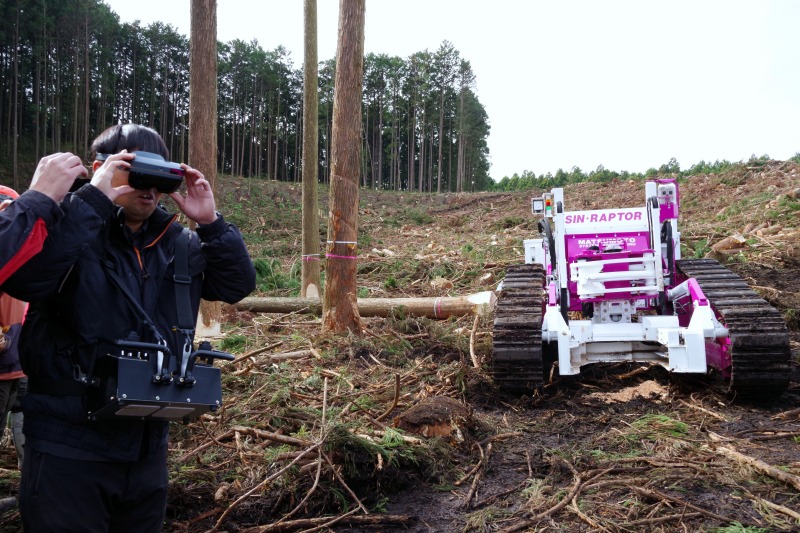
442	307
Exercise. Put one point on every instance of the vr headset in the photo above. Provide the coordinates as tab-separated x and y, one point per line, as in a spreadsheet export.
150	170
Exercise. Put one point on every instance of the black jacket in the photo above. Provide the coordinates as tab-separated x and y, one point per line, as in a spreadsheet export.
76	308
23	228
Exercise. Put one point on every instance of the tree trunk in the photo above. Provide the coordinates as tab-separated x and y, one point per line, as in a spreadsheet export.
310	283
379	147
15	106
460	163
203	117
441	141
421	173
86	91
411	147
277	128
340	310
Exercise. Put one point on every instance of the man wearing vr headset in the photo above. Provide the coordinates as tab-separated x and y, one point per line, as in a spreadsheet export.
101	263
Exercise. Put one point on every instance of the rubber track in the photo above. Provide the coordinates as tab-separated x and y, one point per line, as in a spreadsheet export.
517	336
760	351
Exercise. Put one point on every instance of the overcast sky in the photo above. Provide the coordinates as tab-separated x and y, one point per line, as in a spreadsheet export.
627	84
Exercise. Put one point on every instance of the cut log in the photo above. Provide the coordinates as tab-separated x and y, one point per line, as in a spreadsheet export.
730	243
480	303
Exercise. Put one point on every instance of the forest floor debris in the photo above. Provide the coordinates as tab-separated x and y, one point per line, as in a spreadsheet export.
316	431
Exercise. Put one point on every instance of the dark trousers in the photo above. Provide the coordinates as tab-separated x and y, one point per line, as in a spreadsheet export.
72	495
8	395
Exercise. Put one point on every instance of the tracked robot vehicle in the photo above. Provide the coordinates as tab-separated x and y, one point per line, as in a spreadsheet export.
610	285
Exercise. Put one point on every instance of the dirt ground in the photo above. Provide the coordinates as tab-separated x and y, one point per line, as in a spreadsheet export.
398	430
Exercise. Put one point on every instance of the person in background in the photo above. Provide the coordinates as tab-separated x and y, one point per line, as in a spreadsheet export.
24	223
12	312
12	378
104	265
17	421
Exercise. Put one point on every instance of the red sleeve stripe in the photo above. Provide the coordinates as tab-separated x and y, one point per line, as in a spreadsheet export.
31	246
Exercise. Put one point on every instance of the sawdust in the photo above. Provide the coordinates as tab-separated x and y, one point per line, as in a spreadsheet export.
646	389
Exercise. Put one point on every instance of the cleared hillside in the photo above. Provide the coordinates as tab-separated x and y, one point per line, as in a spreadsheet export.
397	429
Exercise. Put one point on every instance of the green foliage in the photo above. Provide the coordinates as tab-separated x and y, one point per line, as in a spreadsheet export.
758	161
792	317
442	270
233	343
485	519
408	216
269	276
697	250
530	181
602	455
672	167
419	217
656	427
511	222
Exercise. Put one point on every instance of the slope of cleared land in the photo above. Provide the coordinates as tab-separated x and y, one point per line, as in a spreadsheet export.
399	430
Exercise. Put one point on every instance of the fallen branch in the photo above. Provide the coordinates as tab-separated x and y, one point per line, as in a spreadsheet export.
274	437
324	521
577	510
468	475
478	474
248	355
228	434
576	487
765	468
262	484
284	356
343	483
634	372
660	519
474	356
658	495
776	435
787	414
774	506
499	436
396	398
704	410
494	497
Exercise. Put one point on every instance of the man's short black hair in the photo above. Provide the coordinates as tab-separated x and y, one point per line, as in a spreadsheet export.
129	137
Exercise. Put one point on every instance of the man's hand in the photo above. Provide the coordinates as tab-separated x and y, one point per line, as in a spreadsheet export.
103	177
56	173
199	203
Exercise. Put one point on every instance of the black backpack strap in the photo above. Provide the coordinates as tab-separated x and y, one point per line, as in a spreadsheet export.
135	306
183	281
183	300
